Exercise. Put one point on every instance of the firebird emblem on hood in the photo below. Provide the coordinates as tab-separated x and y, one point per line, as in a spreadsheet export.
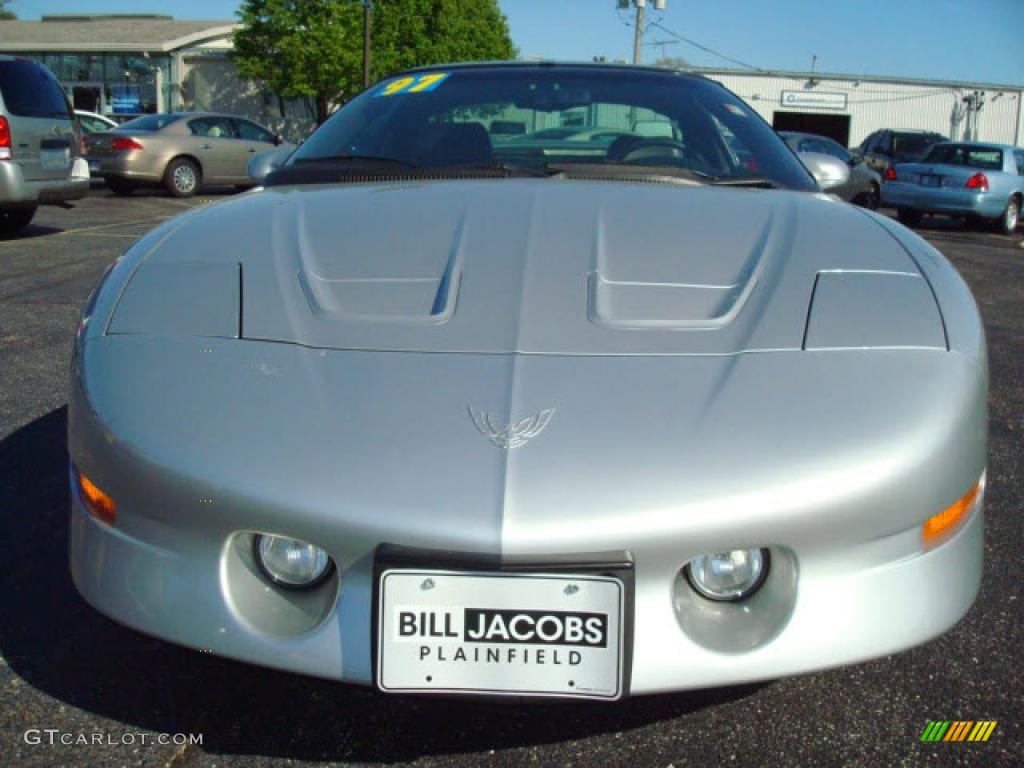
514	434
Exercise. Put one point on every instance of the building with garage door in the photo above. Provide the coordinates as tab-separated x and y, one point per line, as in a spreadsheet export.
124	65
849	107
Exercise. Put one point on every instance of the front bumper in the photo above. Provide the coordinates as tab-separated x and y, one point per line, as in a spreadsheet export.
16	190
873	601
961	202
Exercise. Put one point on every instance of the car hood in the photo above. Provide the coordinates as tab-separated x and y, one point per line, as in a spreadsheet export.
543	266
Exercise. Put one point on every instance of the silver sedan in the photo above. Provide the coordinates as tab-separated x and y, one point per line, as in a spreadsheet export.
863	186
441	414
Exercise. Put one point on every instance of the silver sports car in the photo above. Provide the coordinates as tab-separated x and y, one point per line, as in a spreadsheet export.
435	412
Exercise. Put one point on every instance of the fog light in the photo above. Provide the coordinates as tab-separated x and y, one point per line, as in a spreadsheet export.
728	576
291	562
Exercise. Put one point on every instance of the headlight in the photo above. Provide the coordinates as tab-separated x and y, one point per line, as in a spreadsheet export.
291	562
728	576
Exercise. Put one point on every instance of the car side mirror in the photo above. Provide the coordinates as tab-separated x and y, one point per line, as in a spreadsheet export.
830	172
263	163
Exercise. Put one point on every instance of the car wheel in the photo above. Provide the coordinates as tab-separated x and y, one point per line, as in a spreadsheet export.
870	198
909	217
1007	223
120	186
14	220
181	178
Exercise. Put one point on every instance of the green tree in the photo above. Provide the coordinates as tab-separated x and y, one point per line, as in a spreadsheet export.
6	15
672	62
314	48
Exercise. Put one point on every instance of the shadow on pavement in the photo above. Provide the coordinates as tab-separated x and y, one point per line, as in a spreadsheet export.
155	190
31	231
59	645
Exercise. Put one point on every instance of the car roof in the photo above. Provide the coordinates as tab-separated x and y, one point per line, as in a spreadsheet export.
179	115
805	134
915	132
561	66
981	144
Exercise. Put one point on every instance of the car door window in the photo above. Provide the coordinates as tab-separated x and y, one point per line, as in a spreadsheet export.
1019	157
252	132
212	128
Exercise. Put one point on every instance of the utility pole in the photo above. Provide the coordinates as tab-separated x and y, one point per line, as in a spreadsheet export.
367	9
638	32
638	28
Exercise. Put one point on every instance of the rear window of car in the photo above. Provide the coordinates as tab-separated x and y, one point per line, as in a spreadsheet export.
913	145
986	158
28	90
147	123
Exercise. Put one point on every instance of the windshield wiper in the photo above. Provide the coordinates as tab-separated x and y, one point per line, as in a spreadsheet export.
756	182
626	171
499	166
358	159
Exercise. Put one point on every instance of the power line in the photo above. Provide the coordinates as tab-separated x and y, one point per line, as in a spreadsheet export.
713	52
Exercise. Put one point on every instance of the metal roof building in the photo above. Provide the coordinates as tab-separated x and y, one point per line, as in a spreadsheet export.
130	64
849	107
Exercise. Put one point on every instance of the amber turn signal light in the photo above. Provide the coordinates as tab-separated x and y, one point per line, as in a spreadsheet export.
99	504
935	528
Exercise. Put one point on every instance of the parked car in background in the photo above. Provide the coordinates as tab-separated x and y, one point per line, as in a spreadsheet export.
39	144
91	122
864	185
181	151
971	179
882	149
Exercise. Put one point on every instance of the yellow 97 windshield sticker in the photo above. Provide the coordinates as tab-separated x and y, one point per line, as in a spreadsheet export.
413	84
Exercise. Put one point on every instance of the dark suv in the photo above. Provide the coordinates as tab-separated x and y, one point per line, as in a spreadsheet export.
883	149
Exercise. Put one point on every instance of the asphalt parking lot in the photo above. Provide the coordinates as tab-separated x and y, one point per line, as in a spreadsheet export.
65	667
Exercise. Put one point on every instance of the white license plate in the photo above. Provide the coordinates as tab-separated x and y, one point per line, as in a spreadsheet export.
500	633
930	181
54	159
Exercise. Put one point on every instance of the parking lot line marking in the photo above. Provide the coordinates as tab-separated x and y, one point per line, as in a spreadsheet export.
86	230
109	234
111	226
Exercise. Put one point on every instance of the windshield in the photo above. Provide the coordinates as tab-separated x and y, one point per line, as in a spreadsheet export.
148	123
558	116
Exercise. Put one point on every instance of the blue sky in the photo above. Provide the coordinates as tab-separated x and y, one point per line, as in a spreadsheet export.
980	40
